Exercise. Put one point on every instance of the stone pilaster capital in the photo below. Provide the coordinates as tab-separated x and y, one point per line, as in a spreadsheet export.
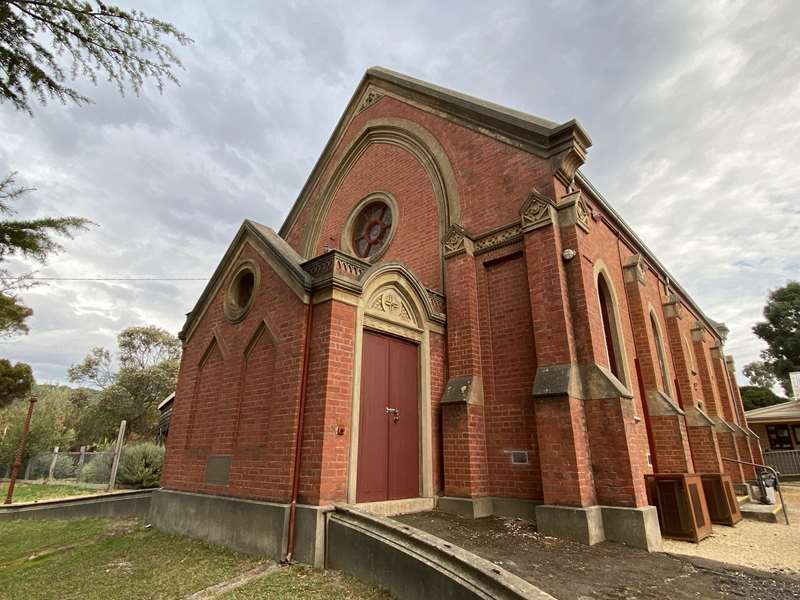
572	210
634	269
456	241
537	211
717	352
673	308
698	332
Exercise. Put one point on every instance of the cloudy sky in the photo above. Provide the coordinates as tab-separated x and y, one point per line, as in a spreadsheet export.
693	107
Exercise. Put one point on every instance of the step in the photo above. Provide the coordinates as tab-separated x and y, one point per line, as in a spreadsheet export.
769	513
414	565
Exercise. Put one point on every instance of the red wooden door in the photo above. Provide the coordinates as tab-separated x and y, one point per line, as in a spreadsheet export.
388	440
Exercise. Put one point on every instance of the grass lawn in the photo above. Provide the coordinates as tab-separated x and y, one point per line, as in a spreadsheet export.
108	559
25	491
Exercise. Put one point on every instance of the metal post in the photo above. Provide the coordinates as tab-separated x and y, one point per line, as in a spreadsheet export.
81	460
23	439
52	464
117	452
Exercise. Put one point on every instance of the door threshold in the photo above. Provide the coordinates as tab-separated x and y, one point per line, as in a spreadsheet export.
390	508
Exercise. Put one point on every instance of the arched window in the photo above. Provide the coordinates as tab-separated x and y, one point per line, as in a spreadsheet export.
610	328
662	358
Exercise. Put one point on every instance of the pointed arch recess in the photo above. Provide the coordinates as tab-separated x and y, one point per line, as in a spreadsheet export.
612	326
412	137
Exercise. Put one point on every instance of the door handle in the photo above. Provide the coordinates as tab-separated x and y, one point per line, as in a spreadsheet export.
393	411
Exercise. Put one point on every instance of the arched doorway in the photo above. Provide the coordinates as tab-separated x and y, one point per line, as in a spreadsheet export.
391	445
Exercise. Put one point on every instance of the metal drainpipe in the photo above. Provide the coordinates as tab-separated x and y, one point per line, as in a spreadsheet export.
298	443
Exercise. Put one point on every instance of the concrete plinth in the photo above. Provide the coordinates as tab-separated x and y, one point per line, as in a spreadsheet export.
474	508
584	525
637	527
246	526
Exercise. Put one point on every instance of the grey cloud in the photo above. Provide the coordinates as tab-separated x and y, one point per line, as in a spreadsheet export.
693	109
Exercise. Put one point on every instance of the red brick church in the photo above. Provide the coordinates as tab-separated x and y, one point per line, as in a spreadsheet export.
450	315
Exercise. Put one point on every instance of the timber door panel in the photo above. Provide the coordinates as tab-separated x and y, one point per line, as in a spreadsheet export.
388	443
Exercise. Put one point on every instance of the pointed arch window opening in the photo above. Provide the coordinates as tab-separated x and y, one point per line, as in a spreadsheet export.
662	359
610	331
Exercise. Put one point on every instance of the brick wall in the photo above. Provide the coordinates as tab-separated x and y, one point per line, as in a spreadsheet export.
237	404
509	368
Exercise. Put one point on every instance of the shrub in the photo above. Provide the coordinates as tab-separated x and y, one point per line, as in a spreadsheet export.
64	467
140	465
98	469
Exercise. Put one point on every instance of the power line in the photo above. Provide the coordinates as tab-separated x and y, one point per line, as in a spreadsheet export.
117	278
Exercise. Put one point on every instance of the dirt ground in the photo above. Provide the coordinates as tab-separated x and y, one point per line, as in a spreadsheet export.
571	571
767	546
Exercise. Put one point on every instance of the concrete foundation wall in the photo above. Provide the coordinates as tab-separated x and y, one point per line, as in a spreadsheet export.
124	504
243	525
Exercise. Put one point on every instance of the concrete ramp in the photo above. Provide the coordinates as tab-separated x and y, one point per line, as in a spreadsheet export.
414	565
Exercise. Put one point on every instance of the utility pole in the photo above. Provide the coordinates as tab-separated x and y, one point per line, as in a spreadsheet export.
23	439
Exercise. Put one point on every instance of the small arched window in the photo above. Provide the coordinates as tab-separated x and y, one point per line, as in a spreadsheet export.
610	328
662	358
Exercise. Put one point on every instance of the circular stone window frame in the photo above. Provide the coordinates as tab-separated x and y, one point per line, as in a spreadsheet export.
347	234
234	312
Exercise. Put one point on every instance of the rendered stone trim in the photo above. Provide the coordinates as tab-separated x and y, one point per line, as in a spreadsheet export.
405	134
661	405
498	237
721	426
472	508
634	269
584	525
697	418
587	382
738	430
275	251
673	309
698	333
476	508
537	211
637	527
572	211
456	241
465	389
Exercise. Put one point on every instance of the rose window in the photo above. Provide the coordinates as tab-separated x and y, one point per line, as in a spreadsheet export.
371	229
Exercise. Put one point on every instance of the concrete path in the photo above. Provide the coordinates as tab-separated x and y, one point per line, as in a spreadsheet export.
226	586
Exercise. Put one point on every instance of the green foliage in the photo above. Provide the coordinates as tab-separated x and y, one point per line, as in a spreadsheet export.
125	47
148	373
13	315
754	396
759	374
49	424
781	332
140	465
15	381
30	238
98	469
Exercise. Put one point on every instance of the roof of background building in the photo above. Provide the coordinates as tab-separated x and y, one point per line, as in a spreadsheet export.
785	411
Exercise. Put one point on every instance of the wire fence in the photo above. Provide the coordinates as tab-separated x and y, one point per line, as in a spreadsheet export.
71	467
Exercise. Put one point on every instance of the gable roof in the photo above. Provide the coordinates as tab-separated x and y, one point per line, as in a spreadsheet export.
277	251
785	411
540	136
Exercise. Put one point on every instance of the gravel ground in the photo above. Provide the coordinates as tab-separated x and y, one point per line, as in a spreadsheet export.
571	571
773	547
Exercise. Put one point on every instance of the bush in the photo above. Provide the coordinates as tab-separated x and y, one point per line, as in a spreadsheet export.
64	467
140	465
98	469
